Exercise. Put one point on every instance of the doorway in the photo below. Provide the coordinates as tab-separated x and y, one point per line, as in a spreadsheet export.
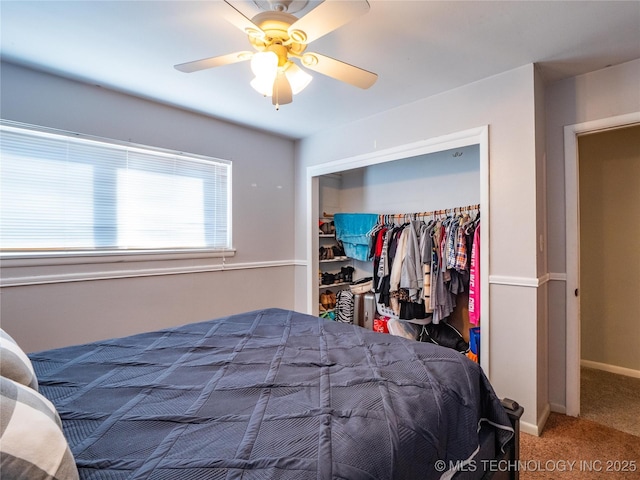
589	191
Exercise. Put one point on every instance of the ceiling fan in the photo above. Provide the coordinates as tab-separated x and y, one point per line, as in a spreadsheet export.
279	37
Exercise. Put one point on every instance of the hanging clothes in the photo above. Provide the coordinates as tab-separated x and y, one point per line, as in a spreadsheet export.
411	271
352	229
426	251
420	267
474	279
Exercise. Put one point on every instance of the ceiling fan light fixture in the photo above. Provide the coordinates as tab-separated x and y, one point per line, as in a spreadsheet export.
263	85
277	35
298	78
264	64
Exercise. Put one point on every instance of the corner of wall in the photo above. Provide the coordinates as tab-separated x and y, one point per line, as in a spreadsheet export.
537	428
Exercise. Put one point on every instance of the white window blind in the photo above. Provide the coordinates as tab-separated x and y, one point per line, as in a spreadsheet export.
61	192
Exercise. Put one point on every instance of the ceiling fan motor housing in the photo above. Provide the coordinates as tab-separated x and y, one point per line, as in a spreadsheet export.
275	26
290	6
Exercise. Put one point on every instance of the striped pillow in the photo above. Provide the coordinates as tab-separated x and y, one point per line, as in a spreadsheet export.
32	444
15	364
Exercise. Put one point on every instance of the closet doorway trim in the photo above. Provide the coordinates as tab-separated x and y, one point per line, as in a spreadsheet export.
475	136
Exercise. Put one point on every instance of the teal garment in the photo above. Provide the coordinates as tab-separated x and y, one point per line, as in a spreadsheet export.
352	229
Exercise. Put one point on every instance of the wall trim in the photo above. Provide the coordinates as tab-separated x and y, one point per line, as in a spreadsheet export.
627	372
20	281
557	277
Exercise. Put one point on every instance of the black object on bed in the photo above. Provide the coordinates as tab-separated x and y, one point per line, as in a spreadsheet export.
271	394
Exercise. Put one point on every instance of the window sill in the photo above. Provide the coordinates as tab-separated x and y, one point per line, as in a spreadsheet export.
35	259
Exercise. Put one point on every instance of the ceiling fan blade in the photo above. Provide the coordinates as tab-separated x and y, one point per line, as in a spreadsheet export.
212	62
236	17
282	93
325	18
339	70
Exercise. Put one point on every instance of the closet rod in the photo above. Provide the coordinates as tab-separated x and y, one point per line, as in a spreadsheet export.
434	212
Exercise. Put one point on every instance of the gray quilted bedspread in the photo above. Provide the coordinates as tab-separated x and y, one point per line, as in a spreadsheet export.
269	394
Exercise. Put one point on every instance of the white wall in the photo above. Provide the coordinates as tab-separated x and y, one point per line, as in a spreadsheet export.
427	182
505	102
261	273
597	95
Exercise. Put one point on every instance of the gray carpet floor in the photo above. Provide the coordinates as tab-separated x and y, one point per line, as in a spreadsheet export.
610	399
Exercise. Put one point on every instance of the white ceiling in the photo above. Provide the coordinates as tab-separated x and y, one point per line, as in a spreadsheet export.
418	49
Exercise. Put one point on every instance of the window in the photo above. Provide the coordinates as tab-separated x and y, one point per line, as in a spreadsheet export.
68	193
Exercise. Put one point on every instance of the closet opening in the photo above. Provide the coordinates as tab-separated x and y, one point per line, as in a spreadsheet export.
440	173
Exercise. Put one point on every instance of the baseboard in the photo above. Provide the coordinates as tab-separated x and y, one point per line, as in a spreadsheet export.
536	430
628	372
557	408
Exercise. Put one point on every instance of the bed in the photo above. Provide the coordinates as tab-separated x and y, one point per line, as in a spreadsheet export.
275	394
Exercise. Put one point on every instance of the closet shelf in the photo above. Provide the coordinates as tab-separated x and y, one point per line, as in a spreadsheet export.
335	259
339	284
327	235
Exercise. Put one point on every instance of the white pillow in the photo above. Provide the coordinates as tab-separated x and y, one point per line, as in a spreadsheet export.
14	363
32	444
